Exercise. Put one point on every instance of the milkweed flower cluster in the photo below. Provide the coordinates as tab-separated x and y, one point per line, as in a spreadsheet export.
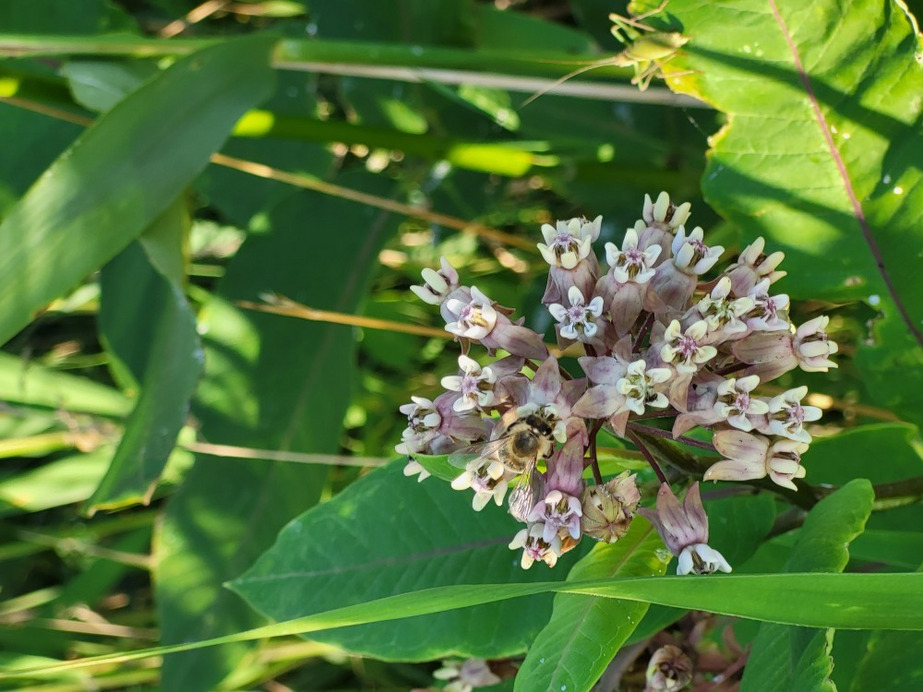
661	332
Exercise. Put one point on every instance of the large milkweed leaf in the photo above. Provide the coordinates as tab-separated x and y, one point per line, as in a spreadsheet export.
794	658
271	382
122	172
820	155
387	534
583	634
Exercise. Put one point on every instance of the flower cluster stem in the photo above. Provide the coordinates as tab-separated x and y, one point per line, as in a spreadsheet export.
647	455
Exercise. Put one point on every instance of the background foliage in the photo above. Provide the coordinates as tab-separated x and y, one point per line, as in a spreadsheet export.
179	466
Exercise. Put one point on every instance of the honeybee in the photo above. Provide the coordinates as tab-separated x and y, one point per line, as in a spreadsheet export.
519	449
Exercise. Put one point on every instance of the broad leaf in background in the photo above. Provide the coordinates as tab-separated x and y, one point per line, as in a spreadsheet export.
794	658
737	525
122	172
271	382
584	633
820	155
387	534
149	327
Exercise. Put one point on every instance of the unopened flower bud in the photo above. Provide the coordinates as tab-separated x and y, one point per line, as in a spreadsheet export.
669	670
609	508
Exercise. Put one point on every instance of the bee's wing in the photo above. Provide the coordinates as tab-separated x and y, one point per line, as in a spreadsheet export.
522	499
479	450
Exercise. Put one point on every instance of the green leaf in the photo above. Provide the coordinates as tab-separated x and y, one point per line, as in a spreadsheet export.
583	635
788	658
63	16
358	552
27	383
439	466
61	482
852	453
122	172
737	525
99	85
818	155
271	382
148	324
891	662
866	601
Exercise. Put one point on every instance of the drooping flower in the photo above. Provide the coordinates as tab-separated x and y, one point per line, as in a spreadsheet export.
771	354
534	546
669	670
415	468
560	509
437	284
466	675
684	530
480	321
434	427
769	313
473	320
441	285
488	478
786	416
750	457
812	347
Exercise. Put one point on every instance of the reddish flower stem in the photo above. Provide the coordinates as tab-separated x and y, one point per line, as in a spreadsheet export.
647	455
657	432
645	328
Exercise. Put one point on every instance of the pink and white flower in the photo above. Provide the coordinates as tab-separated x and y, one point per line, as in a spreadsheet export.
786	416
684	530
734	402
686	351
753	266
475	384
579	321
641	387
534	546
